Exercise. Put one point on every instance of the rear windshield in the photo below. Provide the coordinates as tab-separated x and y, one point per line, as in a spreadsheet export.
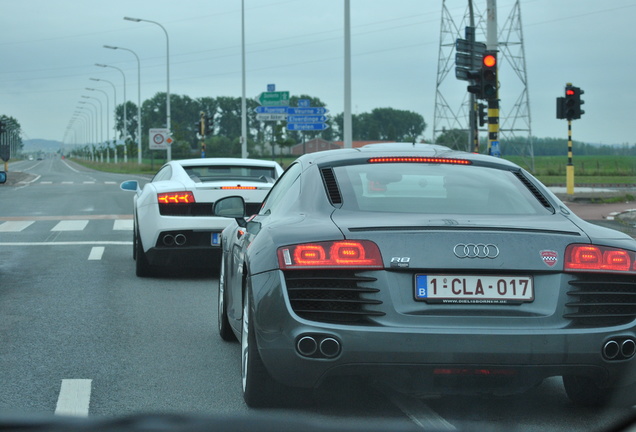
438	189
231	172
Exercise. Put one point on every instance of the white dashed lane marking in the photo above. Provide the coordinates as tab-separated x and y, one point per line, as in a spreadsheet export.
74	398
15	226
70	225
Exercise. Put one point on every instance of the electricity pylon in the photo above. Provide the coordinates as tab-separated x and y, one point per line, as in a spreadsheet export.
452	100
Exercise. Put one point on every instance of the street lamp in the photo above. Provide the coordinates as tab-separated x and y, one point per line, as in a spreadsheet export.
114	116
101	117
125	119
169	155
107	121
138	98
89	122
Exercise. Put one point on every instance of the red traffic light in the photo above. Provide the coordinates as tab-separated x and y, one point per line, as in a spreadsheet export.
490	60
569	92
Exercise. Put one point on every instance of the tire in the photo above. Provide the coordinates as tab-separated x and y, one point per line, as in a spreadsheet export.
225	331
142	267
259	389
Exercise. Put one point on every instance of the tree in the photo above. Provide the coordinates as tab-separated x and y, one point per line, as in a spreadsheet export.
455	138
384	124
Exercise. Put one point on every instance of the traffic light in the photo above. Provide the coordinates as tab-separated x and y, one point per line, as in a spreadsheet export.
569	107
489	75
475	77
482	114
209	125
484	80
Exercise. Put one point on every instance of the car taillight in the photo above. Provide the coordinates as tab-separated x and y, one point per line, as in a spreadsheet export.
335	254
599	258
416	159
175	198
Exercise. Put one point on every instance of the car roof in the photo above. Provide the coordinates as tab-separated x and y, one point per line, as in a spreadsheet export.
401	149
225	161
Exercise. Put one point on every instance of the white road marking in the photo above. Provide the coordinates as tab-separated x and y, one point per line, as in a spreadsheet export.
89	182
74	398
96	253
70	225
123	225
14	226
46	182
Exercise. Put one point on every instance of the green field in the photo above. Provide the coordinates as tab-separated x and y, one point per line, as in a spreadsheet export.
588	170
550	170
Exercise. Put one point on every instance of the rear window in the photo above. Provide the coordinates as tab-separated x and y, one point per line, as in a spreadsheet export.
437	189
231	172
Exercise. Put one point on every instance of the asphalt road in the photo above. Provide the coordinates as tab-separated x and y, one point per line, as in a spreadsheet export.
81	334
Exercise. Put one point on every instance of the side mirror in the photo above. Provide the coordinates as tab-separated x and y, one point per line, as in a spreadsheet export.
3	177
130	185
231	207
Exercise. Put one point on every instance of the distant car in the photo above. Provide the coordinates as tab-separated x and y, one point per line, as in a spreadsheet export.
30	157
435	270
174	222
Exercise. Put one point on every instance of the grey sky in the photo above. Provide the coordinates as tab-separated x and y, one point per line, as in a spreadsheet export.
48	49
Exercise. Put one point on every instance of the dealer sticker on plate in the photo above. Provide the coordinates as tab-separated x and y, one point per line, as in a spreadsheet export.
473	289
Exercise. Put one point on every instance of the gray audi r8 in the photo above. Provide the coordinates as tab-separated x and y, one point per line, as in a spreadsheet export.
435	270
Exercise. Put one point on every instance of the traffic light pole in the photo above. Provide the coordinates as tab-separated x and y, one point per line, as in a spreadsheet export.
493	128
569	170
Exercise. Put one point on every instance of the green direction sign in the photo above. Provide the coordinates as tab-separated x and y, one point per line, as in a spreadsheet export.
276	98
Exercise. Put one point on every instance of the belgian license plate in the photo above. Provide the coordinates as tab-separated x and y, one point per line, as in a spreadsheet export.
473	289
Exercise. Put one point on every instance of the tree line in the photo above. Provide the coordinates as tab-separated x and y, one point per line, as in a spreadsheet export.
264	137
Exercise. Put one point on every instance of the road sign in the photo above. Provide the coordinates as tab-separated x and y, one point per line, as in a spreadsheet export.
271	110
271	117
307	118
307	126
463	45
280	98
305	103
306	111
159	139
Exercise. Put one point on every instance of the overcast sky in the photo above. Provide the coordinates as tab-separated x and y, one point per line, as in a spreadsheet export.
48	51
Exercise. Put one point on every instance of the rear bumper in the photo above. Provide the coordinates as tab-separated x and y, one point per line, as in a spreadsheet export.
444	358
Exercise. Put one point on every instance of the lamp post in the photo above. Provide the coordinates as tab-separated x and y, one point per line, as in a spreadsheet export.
107	121
101	120
89	116
95	119
115	105
138	98
125	119
169	155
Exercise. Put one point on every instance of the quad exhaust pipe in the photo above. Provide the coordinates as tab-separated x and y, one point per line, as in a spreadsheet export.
619	348
318	346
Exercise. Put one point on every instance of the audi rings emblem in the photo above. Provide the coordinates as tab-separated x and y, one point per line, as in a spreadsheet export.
479	250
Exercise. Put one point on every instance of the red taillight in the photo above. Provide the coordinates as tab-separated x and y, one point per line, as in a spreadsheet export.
336	254
599	258
238	187
175	198
414	159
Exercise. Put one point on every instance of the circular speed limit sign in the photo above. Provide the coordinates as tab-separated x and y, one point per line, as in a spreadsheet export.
158	139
